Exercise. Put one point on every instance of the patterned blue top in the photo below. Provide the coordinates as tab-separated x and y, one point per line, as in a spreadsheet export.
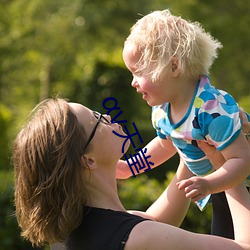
213	115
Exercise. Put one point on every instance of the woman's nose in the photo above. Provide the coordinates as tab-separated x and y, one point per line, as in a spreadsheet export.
108	117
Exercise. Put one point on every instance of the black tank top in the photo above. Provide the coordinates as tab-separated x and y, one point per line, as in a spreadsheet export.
102	229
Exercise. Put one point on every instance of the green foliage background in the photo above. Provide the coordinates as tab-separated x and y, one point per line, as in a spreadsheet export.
72	48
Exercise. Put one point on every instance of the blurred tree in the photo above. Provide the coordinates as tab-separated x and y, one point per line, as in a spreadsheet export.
72	48
5	123
244	102
227	21
51	47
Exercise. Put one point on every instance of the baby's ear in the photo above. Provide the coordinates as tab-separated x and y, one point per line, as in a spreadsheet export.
175	66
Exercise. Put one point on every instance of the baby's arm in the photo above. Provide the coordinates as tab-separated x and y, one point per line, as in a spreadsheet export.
234	171
160	151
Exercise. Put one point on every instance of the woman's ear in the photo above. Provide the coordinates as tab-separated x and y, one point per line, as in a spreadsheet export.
90	161
175	66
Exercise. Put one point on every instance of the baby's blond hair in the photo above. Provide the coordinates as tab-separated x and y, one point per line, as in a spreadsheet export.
161	36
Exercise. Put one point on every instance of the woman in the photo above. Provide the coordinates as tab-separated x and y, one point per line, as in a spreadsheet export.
65	189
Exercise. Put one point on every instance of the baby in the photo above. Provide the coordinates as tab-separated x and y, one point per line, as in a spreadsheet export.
170	59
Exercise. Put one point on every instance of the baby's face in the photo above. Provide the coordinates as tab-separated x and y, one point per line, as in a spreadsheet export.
152	92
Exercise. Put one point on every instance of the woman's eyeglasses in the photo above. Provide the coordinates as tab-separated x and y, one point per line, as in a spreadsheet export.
100	118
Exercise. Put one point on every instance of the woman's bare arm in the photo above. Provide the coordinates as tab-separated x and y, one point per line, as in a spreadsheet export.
160	236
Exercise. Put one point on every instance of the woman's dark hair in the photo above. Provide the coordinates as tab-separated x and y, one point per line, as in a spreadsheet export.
49	180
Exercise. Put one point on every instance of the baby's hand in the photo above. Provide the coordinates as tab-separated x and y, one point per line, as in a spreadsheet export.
195	187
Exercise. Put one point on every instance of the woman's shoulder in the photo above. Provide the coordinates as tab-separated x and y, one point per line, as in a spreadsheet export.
110	227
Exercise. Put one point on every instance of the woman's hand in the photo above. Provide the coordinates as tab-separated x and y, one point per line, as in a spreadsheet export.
245	124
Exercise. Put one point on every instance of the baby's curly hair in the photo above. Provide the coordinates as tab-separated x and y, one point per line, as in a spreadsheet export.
160	36
49	181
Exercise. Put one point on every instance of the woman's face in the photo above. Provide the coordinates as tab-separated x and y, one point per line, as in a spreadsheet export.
104	142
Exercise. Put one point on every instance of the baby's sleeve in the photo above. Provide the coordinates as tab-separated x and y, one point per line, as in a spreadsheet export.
159	121
219	120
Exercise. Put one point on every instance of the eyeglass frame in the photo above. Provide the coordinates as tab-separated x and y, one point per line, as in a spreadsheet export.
100	118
